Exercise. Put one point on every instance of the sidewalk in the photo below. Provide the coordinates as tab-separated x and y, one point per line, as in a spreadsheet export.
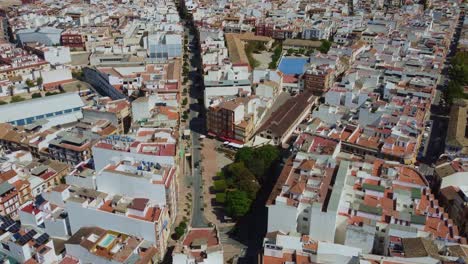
212	162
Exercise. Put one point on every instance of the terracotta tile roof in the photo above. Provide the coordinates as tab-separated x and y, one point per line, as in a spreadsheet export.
69	260
31	209
7	175
208	234
139	204
298	188
290	79
307	165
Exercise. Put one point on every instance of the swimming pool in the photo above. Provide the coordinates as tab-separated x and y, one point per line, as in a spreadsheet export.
292	65
107	240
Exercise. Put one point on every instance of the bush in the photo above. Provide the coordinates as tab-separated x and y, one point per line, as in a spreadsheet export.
220	185
36	95
185	101
51	93
3	103
179	231
16	98
221	198
220	174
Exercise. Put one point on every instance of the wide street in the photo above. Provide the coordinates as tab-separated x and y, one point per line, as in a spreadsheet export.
197	127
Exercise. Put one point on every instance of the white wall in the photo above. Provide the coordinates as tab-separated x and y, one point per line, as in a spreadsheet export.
56	228
322	224
56	198
239	114
59	55
29	219
86	182
81	217
57	75
282	217
223	91
20	253
264	91
134	187
327	114
180	258
214	258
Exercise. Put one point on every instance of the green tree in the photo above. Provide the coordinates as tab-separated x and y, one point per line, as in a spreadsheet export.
276	56
268	153
257	167
237	203
39	82
325	46
242	179
458	74
185	101
3	102
245	154
29	85
259	160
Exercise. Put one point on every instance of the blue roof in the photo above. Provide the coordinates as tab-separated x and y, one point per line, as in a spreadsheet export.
292	65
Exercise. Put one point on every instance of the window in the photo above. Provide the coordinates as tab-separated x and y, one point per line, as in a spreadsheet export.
49	114
305	219
68	111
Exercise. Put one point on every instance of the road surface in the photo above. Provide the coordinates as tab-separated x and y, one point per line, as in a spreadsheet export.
197	126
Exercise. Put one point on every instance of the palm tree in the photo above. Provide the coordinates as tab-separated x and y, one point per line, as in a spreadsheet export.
39	82
29	85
